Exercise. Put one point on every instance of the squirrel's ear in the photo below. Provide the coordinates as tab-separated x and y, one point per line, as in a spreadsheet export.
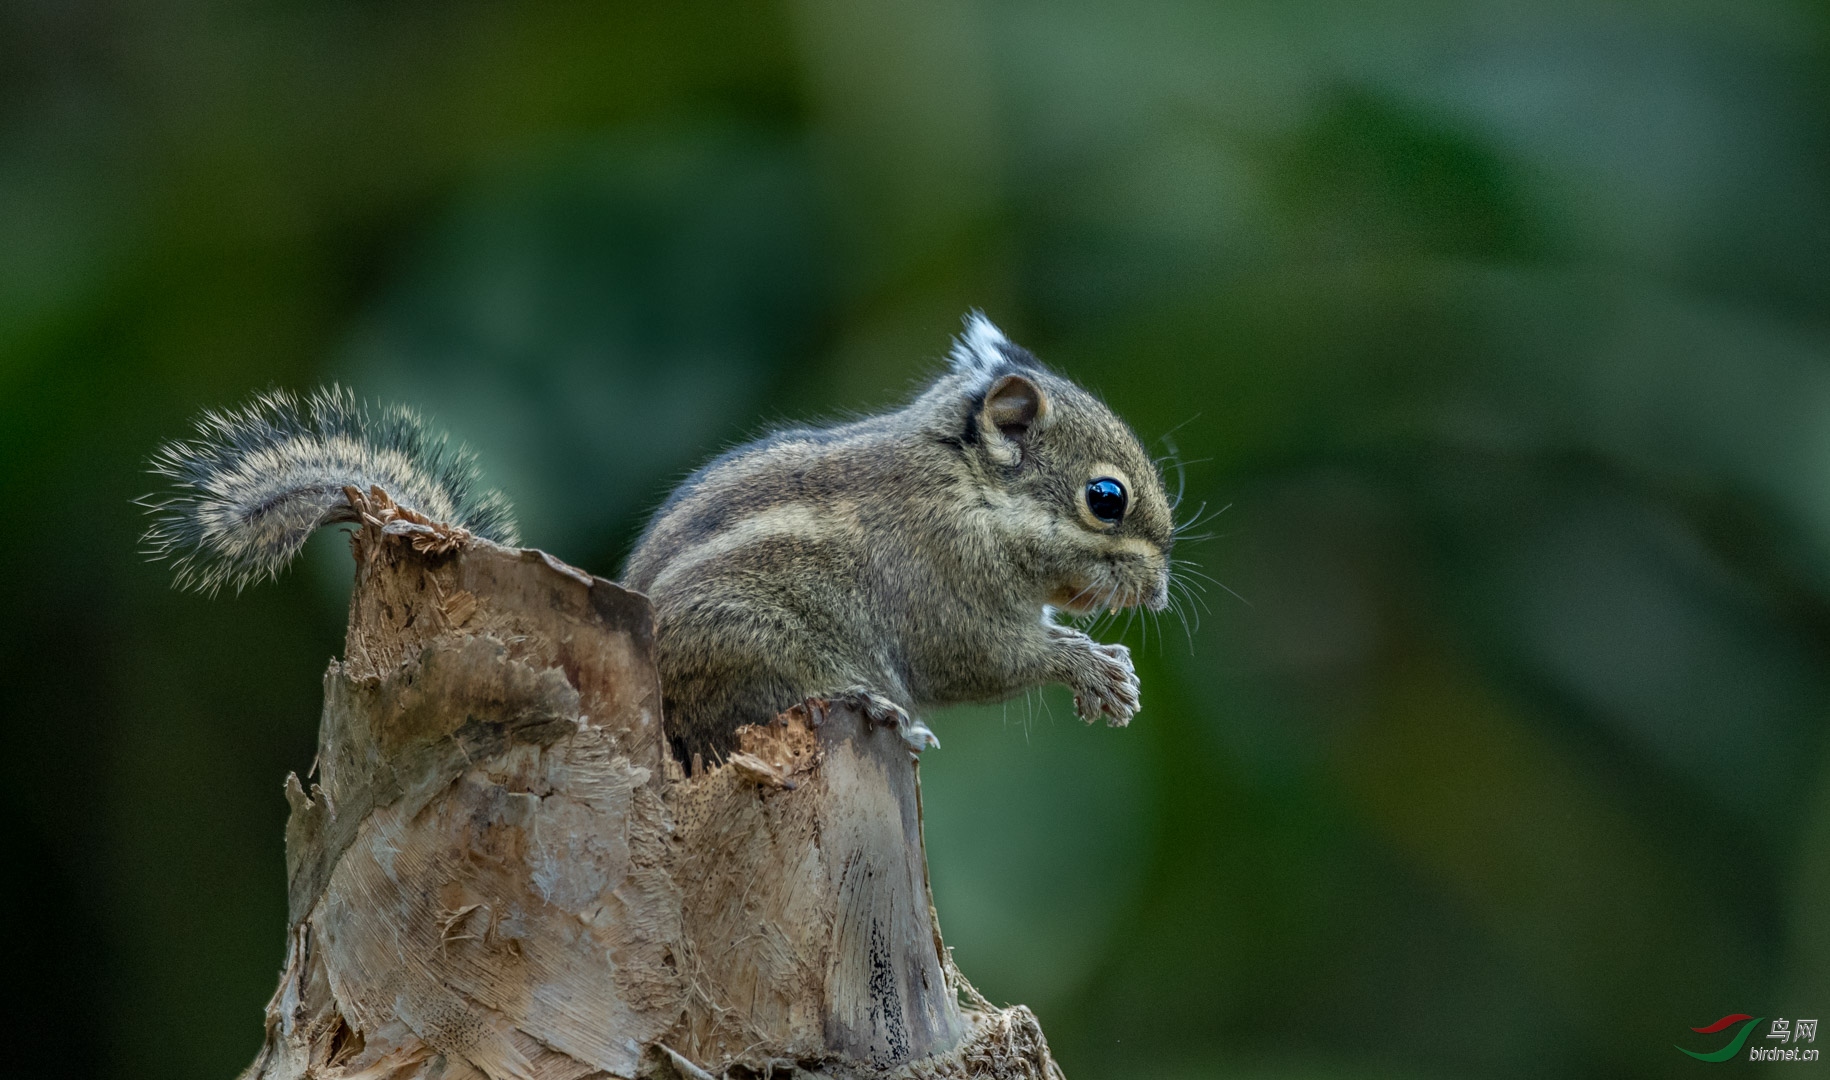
981	348
1014	407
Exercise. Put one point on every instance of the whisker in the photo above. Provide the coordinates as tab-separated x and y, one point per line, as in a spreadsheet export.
1187	591
1192	577
1185	604
1168	439
1188	630
1200	517
1223	585
1074	601
1190	570
1165	436
1193	570
1108	613
1181	468
1174	457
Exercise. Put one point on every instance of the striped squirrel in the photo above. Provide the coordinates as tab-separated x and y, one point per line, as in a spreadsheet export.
907	560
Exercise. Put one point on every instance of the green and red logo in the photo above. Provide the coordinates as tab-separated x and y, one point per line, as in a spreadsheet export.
1735	1044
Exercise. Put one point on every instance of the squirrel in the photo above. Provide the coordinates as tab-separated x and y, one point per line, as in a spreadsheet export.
910	559
907	560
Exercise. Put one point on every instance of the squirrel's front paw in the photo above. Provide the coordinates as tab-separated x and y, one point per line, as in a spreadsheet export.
1103	682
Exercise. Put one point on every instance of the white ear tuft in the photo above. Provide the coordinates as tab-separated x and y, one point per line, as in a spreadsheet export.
980	349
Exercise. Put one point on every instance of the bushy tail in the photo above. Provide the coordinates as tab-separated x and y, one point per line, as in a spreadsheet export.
255	482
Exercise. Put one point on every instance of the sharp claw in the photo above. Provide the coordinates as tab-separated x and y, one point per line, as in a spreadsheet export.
918	736
883	712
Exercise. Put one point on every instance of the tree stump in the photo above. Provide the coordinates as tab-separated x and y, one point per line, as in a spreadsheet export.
501	872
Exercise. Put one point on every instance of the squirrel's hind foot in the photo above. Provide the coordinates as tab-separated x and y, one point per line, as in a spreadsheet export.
880	710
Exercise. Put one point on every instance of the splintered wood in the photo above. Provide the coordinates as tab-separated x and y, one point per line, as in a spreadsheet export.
499	871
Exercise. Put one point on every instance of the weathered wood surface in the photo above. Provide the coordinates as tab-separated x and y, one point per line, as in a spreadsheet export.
499	872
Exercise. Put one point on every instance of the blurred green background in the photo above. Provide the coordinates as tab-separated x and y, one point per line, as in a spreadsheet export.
1502	330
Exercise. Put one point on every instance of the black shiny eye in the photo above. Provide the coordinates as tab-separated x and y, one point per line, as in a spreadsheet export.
1106	498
